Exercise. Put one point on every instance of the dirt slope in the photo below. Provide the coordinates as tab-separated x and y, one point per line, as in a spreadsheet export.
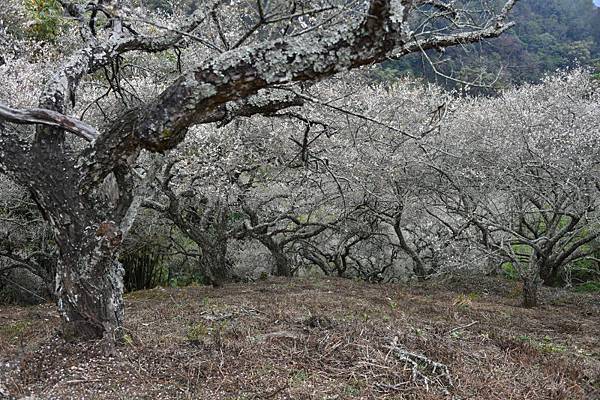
317	339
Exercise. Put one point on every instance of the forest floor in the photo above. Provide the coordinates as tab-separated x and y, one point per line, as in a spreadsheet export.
317	339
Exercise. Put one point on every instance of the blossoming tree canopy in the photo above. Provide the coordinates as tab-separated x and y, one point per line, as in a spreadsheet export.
232	58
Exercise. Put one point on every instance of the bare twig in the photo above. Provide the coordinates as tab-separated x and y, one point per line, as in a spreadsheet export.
460	328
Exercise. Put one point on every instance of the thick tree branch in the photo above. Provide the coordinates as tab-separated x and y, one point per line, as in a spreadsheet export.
110	150
239	73
49	118
94	55
263	103
242	72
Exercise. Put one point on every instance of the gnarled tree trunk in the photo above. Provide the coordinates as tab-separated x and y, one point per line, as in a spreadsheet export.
551	274
89	277
282	263
418	264
90	295
213	262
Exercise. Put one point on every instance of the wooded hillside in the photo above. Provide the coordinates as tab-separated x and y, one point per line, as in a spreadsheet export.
549	35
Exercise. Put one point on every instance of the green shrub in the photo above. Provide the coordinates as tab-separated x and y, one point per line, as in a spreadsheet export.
197	333
584	270
13	332
588	287
465	300
45	19
144	268
509	271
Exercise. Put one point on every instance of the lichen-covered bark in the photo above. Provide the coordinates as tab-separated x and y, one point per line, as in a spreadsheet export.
13	154
89	286
88	277
243	72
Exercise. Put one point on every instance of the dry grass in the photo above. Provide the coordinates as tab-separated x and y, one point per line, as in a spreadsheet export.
317	339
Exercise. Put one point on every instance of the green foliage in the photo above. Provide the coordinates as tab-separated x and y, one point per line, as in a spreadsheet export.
464	301
579	270
197	333
299	377
13	332
235	216
386	73
351	390
144	268
522	250
186	279
393	304
549	35
509	271
46	19
207	333
546	345
128	340
588	287
166	134
586	269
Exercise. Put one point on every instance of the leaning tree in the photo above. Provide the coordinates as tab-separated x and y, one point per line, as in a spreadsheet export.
260	47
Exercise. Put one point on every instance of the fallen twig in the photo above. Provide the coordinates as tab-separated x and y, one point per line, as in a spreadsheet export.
460	328
424	370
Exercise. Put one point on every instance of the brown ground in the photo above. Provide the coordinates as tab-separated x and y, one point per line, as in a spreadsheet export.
317	339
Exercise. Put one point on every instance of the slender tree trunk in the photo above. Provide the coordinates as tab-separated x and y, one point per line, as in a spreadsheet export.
531	283
418	265
530	293
340	265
